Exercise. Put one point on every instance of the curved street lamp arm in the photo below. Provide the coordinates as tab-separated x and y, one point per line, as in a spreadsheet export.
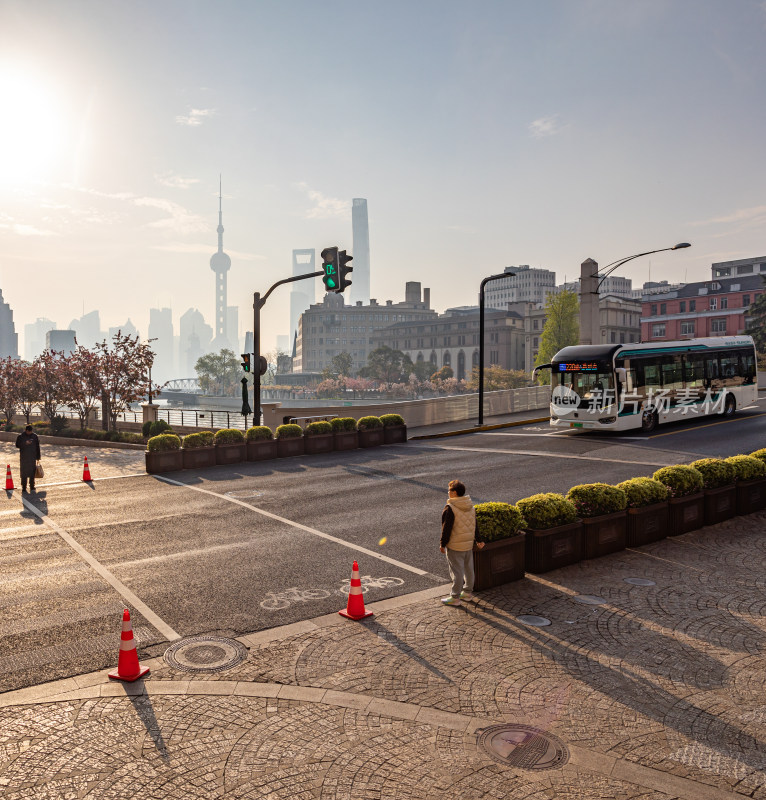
610	268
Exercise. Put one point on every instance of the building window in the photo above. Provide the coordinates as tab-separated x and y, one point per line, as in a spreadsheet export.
663	308
687	328
654	310
536	342
724	302
718	325
692	305
682	306
534	324
658	330
745	300
613	337
713	303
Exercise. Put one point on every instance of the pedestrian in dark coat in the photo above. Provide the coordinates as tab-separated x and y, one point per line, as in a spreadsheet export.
29	455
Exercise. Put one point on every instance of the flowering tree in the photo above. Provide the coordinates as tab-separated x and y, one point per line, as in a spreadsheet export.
81	379
49	368
9	388
28	388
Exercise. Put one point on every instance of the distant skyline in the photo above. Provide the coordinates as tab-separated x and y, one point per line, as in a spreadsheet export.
482	135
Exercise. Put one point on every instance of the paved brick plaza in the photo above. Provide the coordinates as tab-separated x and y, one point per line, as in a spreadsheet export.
658	692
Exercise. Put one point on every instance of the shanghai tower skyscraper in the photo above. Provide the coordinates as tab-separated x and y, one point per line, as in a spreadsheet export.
360	277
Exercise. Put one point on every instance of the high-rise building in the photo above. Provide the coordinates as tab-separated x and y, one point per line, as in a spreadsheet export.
524	284
87	329
194	340
360	277
302	293
220	263
126	329
161	330
34	337
611	285
60	342
9	339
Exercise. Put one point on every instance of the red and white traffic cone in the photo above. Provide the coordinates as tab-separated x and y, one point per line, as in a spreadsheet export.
355	608
9	480
128	668
86	472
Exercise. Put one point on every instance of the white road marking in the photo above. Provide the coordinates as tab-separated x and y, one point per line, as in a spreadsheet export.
313	531
95	480
547	455
117	585
745	408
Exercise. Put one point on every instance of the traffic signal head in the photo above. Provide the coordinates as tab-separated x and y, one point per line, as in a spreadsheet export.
263	365
246	362
343	270
330	269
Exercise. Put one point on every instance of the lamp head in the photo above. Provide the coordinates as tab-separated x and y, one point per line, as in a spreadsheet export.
680	246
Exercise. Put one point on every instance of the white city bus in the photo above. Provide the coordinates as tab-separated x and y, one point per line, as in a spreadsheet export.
627	386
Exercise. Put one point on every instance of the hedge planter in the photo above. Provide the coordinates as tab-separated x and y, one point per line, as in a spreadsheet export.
499	562
261	449
230	453
319	443
647	524
605	534
720	504
395	434
164	461
553	548
751	496
345	440
372	437
686	513
199	457
288	447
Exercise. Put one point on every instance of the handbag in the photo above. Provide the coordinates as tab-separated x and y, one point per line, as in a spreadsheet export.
39	471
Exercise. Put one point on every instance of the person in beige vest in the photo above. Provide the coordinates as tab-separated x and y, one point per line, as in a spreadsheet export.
458	537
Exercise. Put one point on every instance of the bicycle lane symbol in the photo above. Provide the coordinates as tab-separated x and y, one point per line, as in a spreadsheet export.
278	601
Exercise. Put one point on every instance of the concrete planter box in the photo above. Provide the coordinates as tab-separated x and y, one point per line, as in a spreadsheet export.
720	504
372	437
290	447
230	453
319	443
751	496
554	547
345	440
605	534
686	513
647	524
499	562
261	449
395	434
198	457
165	461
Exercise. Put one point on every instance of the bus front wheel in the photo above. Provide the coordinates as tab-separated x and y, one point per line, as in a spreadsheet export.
730	406
648	420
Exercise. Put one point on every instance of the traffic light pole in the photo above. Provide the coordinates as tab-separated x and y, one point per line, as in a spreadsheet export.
258	303
481	338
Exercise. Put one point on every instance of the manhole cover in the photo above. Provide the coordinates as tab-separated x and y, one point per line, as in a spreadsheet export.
533	619
639	581
244	494
524	747
205	654
590	599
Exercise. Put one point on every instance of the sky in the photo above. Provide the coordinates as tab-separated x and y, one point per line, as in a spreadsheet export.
482	133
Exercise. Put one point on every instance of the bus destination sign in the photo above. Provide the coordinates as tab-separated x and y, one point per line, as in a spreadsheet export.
579	366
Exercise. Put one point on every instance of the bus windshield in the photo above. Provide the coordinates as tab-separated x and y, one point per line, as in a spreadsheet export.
594	389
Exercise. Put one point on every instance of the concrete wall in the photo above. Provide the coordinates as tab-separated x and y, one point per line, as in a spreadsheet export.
432	411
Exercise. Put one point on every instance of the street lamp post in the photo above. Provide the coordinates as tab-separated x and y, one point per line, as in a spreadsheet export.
481	338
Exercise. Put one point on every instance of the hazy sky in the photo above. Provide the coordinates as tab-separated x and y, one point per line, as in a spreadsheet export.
482	134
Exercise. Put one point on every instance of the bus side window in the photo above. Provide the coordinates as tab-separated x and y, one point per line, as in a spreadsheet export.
694	372
630	383
730	370
748	367
711	370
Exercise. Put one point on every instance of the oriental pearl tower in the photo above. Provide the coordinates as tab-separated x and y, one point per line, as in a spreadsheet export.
220	263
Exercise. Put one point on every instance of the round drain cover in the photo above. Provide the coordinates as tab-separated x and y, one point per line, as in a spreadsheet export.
533	619
524	747
205	654
590	599
639	581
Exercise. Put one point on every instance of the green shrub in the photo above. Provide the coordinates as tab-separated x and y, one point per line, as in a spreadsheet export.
498	521
145	428
759	454
642	492
747	468
229	436
133	438
343	424
41	423
368	423
157	427
258	433
680	479
596	499
547	510
318	427
391	419
715	472
163	443
202	439
289	432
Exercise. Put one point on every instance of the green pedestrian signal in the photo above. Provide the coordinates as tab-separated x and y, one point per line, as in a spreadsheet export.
246	361
330	268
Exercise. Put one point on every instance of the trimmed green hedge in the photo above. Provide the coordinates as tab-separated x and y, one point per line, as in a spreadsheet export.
546	510
391	419
229	436
193	441
368	423
258	433
497	521
680	479
715	472
155	427
163	443
319	427
289	432
597	499
641	492
747	468
340	424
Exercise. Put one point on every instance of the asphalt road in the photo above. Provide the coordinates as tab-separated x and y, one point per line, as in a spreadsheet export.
231	550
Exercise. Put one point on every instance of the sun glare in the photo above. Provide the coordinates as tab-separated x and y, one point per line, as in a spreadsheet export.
31	129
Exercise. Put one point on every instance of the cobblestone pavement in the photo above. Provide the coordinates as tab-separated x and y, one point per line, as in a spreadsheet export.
63	463
658	691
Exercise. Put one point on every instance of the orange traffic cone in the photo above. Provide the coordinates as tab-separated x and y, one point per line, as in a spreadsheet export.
355	608
86	471
128	668
8	479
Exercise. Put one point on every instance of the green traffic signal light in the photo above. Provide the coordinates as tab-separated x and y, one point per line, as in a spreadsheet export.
246	362
330	268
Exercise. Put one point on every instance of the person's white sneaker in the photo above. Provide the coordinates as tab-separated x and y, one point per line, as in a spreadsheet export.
466	596
451	601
